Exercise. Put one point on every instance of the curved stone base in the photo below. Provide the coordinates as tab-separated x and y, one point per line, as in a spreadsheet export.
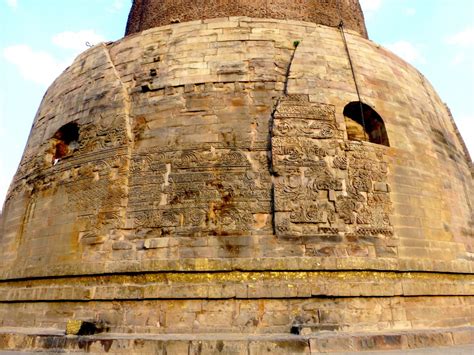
446	341
252	315
222	146
237	285
214	190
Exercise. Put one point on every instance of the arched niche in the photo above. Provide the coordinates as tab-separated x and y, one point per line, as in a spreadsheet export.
65	141
363	123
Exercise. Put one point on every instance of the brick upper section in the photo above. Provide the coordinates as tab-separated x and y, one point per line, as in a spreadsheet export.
147	14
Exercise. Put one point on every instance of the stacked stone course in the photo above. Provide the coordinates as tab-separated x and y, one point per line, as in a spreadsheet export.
214	191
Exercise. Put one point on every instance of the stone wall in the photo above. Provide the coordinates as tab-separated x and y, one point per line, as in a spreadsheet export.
147	14
237	285
213	161
192	155
253	316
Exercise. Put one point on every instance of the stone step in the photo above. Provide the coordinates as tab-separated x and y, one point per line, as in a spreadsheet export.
446	340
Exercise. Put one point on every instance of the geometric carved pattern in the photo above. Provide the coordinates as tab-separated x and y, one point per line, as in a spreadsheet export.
206	191
325	185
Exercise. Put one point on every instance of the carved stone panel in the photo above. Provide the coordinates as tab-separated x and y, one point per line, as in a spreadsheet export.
201	191
323	185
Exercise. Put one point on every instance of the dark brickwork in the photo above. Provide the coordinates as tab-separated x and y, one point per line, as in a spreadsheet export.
154	13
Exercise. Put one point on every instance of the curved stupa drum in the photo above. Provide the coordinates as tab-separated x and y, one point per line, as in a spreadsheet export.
226	178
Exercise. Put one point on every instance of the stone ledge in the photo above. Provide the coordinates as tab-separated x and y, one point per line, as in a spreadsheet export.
240	285
243	264
327	342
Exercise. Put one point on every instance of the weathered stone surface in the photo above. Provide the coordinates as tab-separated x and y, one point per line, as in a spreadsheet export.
223	285
198	178
211	169
250	316
347	343
148	14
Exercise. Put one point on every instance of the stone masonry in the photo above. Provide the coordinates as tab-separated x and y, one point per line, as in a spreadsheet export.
192	188
147	14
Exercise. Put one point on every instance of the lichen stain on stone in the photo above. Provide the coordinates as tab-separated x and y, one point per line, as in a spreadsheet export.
226	277
73	327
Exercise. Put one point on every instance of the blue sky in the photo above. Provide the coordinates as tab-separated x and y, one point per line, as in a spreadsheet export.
39	38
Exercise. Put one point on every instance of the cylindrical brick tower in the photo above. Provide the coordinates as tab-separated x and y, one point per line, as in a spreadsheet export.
147	14
245	177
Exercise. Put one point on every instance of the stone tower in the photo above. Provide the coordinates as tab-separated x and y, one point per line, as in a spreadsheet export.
147	14
239	177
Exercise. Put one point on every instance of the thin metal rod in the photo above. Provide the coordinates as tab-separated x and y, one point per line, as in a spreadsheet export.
341	28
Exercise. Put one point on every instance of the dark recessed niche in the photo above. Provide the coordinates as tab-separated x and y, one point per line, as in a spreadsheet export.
363	123
65	141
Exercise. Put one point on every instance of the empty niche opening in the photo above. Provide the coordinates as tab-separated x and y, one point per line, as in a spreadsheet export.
363	123
65	141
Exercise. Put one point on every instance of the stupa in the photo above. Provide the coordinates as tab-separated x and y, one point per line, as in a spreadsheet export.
240	177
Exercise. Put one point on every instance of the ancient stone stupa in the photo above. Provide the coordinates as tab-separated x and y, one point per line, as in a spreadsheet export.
239	177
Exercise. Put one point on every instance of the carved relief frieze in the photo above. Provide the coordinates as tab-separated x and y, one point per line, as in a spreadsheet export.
298	152
299	107
324	185
306	128
108	133
214	190
210	159
340	162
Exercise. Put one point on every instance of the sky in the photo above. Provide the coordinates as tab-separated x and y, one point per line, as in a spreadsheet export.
40	38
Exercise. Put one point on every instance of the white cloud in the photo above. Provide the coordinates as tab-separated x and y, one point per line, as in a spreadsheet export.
117	5
4	184
3	174
407	51
12	3
410	11
43	67
463	43
77	40
459	58
370	6
37	66
465	124
464	38
2	129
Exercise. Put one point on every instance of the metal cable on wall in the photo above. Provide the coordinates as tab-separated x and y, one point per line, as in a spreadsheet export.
341	28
